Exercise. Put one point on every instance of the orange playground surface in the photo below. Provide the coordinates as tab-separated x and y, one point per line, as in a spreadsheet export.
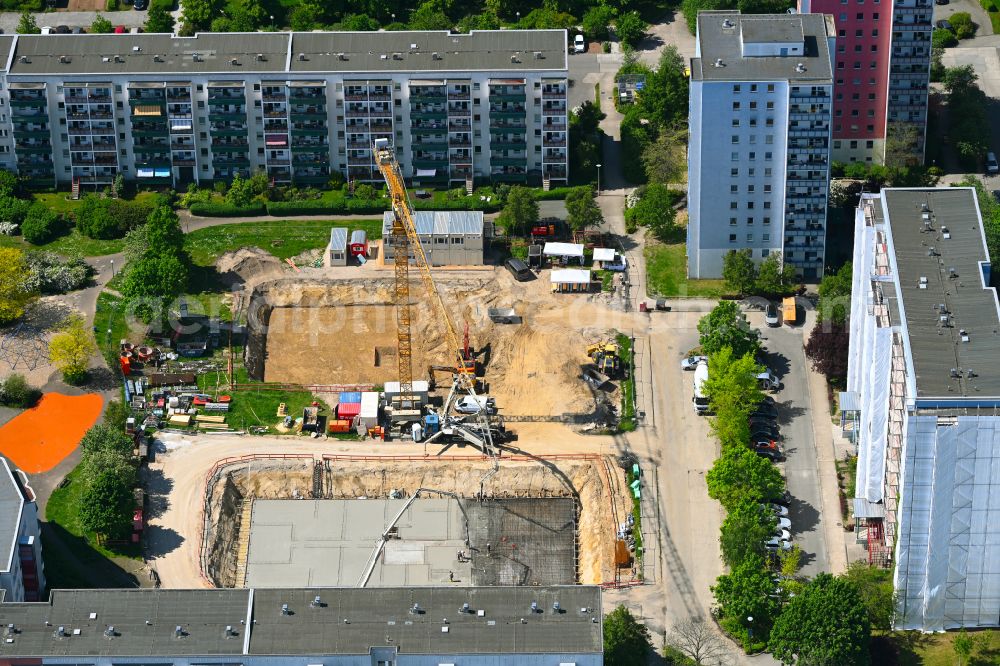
40	438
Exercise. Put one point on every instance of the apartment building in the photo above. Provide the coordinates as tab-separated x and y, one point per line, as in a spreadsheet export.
428	626
923	392
882	74
758	159
484	107
22	576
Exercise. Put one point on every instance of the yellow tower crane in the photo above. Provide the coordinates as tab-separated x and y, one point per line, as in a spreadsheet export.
404	239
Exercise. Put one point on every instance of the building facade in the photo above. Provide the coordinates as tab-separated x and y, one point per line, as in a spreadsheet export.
163	110
923	390
448	238
758	158
495	626
882	75
22	576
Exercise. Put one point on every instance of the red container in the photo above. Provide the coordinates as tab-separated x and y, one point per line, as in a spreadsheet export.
348	410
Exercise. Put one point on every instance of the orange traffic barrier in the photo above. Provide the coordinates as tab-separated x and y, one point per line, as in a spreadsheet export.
40	438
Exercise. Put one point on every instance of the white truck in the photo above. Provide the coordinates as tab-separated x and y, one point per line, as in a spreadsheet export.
700	398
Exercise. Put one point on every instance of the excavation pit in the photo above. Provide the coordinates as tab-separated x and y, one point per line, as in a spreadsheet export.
333	543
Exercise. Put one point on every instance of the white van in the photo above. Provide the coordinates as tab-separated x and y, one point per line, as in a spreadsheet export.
468	404
579	45
700	399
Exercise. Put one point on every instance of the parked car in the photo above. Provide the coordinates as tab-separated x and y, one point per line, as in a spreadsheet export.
78	30
771	317
766	408
775	544
941	2
140	4
63	30
779	510
468	404
771	453
784	524
784	535
992	168
120	30
518	269
943	25
579	44
764	429
691	362
618	265
767	381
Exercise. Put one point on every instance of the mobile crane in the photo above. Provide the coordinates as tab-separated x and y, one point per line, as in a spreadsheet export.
404	241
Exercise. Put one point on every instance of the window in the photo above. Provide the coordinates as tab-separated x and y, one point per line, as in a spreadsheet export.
770	87
749	205
854	144
871	97
753	139
843	17
767	205
749	189
769	122
869	144
750	220
736	106
753	87
736	88
765	237
767	188
753	122
733	189
770	106
732	238
732	205
736	122
857	48
732	221
750	172
874	49
734	172
767	221
860	16
769	139
842	33
753	105
767	172
735	138
857	65
875	18
766	252
749	238
735	157
841	49
752	156
767	156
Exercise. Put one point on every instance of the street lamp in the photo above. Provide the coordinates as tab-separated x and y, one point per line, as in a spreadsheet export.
112	268
518	17
750	627
598	179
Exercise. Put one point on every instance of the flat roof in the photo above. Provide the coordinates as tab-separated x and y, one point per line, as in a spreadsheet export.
11	506
971	306
717	41
289	52
563	249
570	276
338	238
442	222
331	542
347	621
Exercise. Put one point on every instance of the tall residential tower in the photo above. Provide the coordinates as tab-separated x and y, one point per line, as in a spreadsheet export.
758	161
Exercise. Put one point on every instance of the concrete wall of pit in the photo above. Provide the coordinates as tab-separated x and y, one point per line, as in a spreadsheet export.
258	319
584	480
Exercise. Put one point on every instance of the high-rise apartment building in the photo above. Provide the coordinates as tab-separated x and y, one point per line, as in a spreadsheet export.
923	393
22	575
881	77
758	160
489	106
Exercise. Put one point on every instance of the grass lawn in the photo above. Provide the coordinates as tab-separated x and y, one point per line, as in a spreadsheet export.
282	238
62	510
73	244
666	274
916	649
626	419
109	326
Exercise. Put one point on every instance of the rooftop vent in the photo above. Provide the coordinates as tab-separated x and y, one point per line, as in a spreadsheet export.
925	208
317	602
302	57
24	60
136	49
465	608
157	58
941	308
105	59
229	633
945	233
923	282
932	252
955	374
179	631
514	58
285	610
964	335
397	56
196	57
341	56
539	55
555	607
383	57
726	23
10	630
64	60
945	319
416	610
60	631
534	606
413	47
436	56
234	62
109	632
718	63
119	59
952	273
800	68
969	372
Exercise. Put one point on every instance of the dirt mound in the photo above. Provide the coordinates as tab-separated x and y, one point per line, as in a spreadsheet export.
247	263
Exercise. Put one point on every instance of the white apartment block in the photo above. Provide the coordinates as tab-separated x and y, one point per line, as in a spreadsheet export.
21	573
489	106
922	399
758	159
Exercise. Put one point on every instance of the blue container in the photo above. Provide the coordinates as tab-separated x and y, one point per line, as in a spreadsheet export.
431	424
350	397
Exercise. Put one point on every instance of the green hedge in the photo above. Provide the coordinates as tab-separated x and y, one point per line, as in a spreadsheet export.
166	5
226	210
558	192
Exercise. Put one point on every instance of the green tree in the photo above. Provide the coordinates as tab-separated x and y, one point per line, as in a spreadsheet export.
665	159
159	20
835	295
156	276
41	224
249	16
961	23
163	232
198	15
428	16
825	624
874	586
732	382
596	22
15	290
664	98
94	219
101	25
70	350
107	437
239	193
626	640
740	474
10	184
582	210
943	39
747	591
358	23
520	213
630	28
962	646
545	18
106	504
774	278
739	271
725	326
655	211
15	391
306	16
27	25
116	413
745	528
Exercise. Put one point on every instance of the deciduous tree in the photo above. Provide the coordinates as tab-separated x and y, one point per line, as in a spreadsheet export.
70	350
101	25
106	503
826	624
747	592
582	210
596	22
108	436
739	271
774	278
41	224
665	159
520	213
740	474
626	640
874	586
27	24
630	28
698	641
159	20
827	349
725	326
655	211
15	293
746	527
835	295
732	382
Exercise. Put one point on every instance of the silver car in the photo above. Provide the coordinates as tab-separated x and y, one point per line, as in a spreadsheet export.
691	362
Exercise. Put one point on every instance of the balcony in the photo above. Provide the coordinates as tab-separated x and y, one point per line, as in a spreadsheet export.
144	132
28	102
229	131
557	143
458	113
430	162
217	98
308	95
500	128
308	114
305	130
230	161
427	96
428	114
224	115
180	96
230	148
384	128
41	148
459	143
147	101
504	160
273	95
459	95
502	142
361	160
311	158
553	93
507	113
311	178
28	132
509	176
276	114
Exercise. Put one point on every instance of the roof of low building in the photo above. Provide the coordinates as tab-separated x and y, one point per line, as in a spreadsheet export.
563	249
346	621
947	249
570	276
721	35
366	53
446	222
11	505
338	238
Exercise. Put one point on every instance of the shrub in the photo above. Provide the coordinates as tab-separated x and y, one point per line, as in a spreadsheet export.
41	225
17	392
13	212
129	214
226	210
112	5
51	274
943	39
94	219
